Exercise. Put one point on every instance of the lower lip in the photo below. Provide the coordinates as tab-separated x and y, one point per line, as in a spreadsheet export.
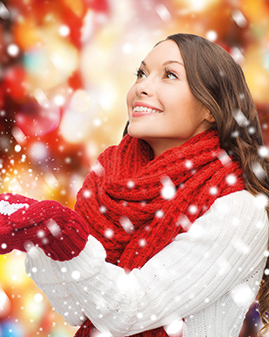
143	113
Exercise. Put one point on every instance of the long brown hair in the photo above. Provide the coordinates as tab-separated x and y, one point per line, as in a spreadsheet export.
219	83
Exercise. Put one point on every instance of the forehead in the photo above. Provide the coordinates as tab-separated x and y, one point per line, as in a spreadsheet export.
164	51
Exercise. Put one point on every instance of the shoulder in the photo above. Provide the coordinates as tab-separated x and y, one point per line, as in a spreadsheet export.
241	201
241	209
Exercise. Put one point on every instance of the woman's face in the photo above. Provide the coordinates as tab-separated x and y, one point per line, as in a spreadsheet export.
161	108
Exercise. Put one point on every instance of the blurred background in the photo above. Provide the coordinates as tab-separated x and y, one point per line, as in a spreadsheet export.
65	69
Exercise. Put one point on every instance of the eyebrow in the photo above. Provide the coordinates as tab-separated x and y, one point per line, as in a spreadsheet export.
165	63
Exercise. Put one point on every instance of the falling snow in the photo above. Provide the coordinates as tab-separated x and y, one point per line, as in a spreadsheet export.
98	168
175	328
240	118
126	224
239	18
184	221
213	190
231	179
261	200
142	242
54	228
188	164
102	209
75	275
159	214
109	233
224	157
193	209
258	170
242	294
130	184
263	151
168	190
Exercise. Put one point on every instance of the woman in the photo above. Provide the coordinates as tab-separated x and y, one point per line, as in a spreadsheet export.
171	224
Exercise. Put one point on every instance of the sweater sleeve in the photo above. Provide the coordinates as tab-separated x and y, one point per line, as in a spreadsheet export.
222	248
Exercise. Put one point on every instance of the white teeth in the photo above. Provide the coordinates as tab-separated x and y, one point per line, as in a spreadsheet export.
142	108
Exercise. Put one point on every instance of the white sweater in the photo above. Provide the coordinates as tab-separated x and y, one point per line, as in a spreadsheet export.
209	276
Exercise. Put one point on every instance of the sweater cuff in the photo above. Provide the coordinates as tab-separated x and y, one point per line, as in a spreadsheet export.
44	270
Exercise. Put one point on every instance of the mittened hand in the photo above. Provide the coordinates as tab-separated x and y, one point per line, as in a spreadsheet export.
26	222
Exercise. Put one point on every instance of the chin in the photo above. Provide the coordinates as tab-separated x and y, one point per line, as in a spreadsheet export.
137	131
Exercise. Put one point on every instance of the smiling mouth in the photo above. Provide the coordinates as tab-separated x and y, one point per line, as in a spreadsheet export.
144	109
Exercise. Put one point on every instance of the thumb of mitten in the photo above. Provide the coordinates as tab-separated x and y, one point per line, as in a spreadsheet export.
9	204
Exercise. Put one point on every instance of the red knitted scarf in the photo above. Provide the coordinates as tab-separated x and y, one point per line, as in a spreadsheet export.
135	204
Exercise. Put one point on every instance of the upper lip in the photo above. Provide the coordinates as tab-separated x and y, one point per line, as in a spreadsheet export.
145	105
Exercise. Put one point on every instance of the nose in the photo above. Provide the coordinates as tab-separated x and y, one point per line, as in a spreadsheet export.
144	87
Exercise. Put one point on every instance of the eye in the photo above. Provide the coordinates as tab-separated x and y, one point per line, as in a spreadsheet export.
170	75
140	74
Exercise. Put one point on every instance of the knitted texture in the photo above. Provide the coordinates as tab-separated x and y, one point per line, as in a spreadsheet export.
135	204
25	222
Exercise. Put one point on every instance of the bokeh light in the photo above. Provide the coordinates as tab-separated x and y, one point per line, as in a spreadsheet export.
66	67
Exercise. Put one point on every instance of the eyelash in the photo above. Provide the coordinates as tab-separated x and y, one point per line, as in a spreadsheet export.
168	72
140	72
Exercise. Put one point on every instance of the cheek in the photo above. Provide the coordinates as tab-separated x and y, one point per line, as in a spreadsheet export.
130	97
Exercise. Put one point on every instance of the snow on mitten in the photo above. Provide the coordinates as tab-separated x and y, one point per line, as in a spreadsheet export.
26	222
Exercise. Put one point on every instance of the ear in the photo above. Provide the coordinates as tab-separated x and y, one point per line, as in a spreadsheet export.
209	116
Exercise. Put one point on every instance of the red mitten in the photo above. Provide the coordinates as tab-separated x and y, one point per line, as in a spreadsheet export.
24	222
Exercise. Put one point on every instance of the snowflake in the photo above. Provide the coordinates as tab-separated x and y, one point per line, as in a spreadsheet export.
174	328
184	222
188	164
38	297
153	317
261	200
258	170
28	245
75	275
213	190
169	190
239	18
211	35
231	179
159	214
40	234
126	224
130	184
263	151
240	246
53	228
266	253
142	243
109	233
242	294
224	157
13	49
240	118
193	209
98	168
86	193
251	130
102	209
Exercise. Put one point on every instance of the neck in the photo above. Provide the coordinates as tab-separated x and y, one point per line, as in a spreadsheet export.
160	145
